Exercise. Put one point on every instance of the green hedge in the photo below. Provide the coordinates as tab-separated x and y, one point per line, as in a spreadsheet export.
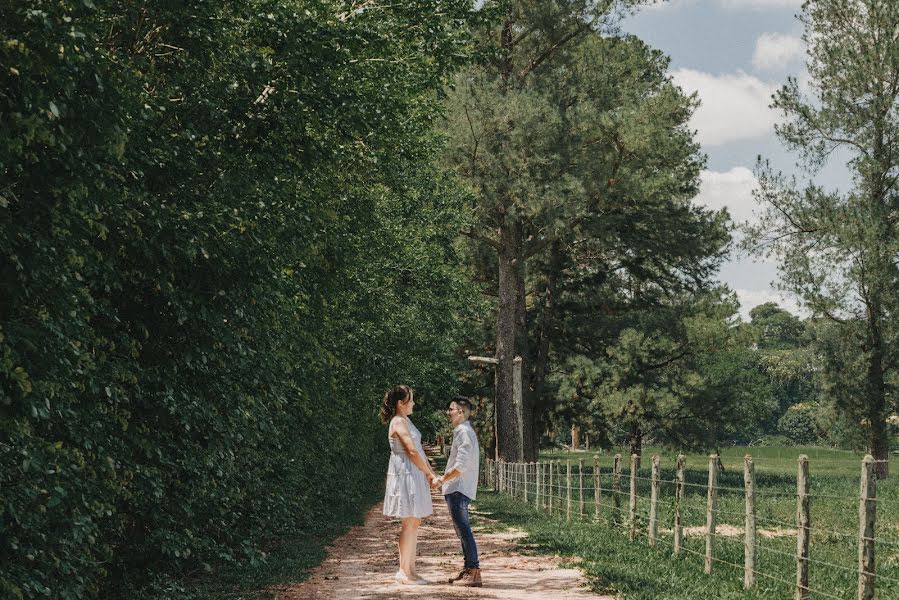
220	239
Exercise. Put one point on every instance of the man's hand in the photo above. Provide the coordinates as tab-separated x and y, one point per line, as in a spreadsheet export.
436	482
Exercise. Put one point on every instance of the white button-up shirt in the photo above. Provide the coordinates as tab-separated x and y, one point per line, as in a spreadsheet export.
465	456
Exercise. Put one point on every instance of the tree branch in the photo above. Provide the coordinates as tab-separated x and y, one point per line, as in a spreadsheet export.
481	238
543	56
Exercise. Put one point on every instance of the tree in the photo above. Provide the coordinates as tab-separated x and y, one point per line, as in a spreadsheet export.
776	328
682	375
839	251
568	135
222	235
786	355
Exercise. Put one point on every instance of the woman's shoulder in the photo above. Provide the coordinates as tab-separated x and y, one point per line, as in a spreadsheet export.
397	421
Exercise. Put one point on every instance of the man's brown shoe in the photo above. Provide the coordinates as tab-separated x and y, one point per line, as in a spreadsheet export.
458	577
471	578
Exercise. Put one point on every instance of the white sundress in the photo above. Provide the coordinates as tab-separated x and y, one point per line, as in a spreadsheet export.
407	492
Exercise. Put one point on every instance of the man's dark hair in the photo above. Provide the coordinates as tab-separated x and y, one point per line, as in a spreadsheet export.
462	402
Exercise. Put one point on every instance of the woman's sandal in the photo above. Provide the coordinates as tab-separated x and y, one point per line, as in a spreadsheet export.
404	579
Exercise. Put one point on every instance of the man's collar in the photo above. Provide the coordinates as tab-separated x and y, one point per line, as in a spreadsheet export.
460	424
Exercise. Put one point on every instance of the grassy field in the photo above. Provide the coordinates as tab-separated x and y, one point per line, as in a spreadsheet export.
638	571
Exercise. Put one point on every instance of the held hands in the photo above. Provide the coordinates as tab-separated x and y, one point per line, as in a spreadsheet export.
435	481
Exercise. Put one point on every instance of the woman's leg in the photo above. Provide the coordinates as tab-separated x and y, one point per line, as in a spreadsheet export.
408	536
413	555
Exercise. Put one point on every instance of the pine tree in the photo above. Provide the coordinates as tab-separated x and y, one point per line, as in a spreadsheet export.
839	250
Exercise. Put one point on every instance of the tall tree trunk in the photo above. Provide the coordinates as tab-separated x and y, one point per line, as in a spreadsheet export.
878	443
876	392
575	437
509	255
544	341
529	450
636	441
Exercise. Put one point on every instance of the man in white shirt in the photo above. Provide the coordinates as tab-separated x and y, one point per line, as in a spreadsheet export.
460	485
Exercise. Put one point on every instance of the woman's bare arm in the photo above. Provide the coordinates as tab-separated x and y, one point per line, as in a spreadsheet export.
401	431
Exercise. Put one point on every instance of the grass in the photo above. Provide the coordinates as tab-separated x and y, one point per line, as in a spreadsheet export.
638	571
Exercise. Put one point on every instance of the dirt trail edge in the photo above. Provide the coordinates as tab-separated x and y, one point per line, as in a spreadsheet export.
361	564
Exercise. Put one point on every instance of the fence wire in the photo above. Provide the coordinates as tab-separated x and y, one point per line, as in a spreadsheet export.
577	491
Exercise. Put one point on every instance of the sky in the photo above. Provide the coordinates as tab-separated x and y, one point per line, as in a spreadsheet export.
735	54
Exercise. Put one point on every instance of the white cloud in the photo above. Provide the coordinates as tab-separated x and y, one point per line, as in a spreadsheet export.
761	4
658	5
731	189
776	51
749	299
733	106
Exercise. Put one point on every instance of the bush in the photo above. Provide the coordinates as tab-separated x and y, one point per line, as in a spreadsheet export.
220	239
799	424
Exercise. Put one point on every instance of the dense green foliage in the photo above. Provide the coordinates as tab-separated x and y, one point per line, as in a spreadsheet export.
683	375
220	239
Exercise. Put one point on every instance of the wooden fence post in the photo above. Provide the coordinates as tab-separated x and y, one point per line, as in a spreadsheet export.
749	542
531	478
580	474
711	513
867	515
548	480
632	504
516	479
552	485
596	487
514	489
678	505
616	488
568	488
654	502
543	478
524	482
803	528
529	470
539	485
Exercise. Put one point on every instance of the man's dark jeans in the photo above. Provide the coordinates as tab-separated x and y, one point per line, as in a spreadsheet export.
457	502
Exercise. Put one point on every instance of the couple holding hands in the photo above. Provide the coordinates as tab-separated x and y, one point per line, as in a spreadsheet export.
410	477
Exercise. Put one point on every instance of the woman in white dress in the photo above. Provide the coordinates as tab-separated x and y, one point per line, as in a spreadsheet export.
409	475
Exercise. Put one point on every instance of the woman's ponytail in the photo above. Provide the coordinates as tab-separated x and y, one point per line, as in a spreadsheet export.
392	397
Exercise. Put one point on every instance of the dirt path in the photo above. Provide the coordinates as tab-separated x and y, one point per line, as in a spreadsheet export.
361	564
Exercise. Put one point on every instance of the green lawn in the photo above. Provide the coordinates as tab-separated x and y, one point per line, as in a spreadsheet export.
637	571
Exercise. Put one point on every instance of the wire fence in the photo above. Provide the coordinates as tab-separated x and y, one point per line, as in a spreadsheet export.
697	512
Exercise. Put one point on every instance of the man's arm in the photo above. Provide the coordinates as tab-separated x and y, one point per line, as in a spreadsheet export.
463	456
